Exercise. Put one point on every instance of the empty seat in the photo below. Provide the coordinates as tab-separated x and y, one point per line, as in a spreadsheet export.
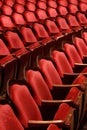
82	19
52	13
41	14
30	6
19	8
4	50
6	10
74	24
18	19
84	36
29	113
63	25
8	119
30	17
6	22
52	29
73	55
63	2
41	32
73	8
41	5
81	47
52	3
9	2
83	7
62	10
14	42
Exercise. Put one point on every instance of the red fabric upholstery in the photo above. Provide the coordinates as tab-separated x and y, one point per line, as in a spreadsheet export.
81	46
84	36
19	8
62	10
63	25
53	127
41	5
8	120
82	19
72	54
60	61
18	19
14	41
4	50
26	106
38	85
52	27
73	8
28	35
41	32
51	75
30	6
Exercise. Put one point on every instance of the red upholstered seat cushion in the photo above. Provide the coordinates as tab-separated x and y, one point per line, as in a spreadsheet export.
26	106
8	120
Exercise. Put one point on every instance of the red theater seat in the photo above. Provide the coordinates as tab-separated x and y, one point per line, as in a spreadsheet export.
52	13
82	19
6	10
41	14
73	23
63	25
29	113
18	19
73	55
84	36
41	5
52	29
8	119
19	8
30	17
6	22
83	7
30	6
52	3
81	47
9	2
62	10
73	9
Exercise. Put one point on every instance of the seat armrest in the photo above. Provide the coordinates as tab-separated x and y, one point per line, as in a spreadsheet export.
37	123
55	102
67	86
